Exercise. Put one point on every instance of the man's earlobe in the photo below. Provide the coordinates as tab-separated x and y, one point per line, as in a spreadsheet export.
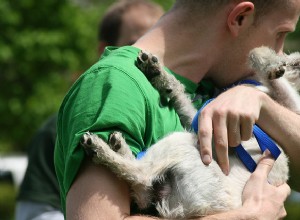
240	16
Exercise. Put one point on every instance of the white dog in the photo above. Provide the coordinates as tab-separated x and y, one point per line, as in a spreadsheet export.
171	175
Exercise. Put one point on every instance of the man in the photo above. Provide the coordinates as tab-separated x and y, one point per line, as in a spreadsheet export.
197	41
38	197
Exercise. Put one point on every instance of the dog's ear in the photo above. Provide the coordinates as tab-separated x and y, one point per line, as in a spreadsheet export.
240	17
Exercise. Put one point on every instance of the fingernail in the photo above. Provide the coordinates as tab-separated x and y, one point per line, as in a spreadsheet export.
206	159
267	153
225	171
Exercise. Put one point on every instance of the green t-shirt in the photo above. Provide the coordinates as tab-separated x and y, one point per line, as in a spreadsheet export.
113	95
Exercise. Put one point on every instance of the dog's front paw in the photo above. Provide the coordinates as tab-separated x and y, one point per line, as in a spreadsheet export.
115	141
266	63
276	72
87	142
148	64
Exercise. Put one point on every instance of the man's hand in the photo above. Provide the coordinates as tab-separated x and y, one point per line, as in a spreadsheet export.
228	120
261	198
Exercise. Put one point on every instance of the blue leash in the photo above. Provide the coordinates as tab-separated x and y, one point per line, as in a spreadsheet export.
264	142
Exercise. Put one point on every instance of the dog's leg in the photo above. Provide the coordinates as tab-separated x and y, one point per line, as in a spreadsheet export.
293	70
266	63
168	86
270	67
138	175
125	168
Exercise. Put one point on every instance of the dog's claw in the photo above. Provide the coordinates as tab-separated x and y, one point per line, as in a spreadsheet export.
86	142
86	139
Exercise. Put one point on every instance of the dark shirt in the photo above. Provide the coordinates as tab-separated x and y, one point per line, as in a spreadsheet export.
40	183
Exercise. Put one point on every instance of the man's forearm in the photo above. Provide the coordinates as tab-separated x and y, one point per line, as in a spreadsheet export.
283	125
237	214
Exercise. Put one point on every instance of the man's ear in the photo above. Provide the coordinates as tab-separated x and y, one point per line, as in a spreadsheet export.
240	16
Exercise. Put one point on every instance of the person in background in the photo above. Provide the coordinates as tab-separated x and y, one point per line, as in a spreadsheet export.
205	44
123	23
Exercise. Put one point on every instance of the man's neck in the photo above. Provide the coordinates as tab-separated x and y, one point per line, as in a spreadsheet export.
188	51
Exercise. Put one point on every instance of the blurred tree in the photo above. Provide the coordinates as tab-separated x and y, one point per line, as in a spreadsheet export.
41	44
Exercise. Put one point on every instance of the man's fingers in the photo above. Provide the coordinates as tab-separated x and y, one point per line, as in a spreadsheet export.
234	133
265	164
205	137
285	189
246	128
283	213
221	142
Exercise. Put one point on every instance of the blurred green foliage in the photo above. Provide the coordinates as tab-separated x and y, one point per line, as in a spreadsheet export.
41	44
293	40
7	200
293	210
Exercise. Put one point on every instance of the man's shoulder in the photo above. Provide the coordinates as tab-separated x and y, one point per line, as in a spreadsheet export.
117	66
123	58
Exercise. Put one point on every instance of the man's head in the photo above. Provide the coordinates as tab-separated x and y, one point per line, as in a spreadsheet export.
253	13
126	21
262	7
240	25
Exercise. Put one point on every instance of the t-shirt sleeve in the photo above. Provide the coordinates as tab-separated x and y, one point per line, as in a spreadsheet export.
103	100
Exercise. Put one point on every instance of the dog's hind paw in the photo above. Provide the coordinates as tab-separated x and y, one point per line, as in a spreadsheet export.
118	144
148	64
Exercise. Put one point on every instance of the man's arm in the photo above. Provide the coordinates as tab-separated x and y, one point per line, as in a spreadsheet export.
98	194
229	119
284	126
